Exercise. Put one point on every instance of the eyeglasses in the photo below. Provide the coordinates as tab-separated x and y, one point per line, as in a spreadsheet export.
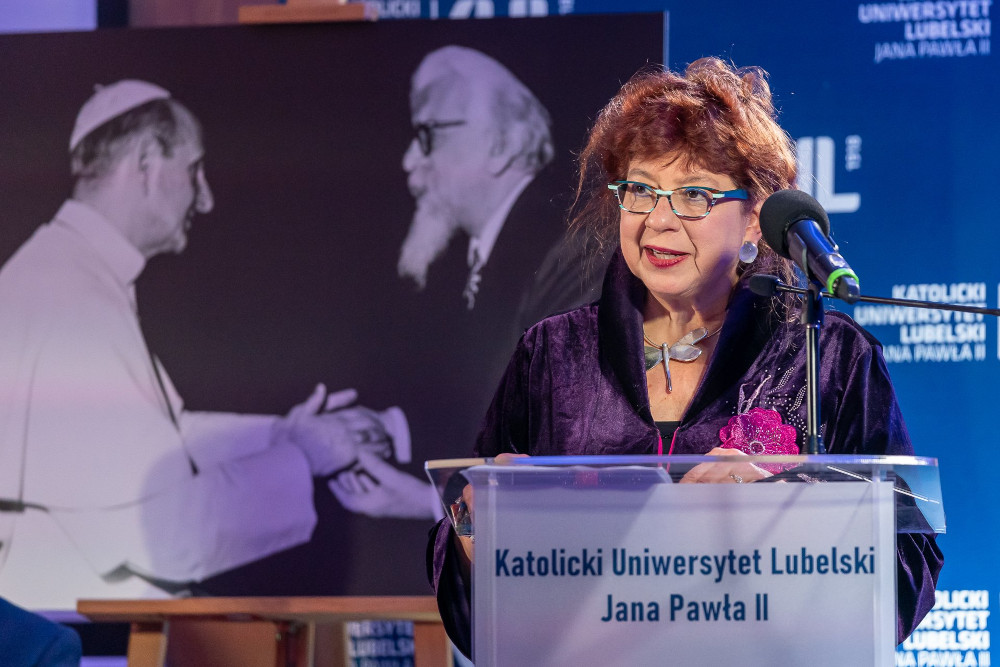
693	202
425	133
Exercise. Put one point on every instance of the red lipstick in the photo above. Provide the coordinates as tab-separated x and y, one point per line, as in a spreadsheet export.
656	256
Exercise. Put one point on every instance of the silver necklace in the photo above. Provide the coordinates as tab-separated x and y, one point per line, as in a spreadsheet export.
683	350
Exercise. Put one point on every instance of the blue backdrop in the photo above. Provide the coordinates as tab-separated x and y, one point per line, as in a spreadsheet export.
892	106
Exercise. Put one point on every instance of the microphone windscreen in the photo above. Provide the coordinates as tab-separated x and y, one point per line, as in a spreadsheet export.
782	210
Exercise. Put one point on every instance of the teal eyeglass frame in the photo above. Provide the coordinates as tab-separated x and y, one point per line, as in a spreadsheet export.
715	196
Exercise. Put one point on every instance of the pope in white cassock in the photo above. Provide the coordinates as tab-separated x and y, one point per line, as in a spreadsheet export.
108	487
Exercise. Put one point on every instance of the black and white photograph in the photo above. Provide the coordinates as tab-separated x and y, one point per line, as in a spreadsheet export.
252	279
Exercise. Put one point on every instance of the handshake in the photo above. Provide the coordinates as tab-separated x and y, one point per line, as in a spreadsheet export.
332	432
350	447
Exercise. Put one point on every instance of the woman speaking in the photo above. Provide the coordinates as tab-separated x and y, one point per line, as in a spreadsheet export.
678	356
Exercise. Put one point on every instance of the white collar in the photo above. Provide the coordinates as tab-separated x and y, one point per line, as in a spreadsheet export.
124	260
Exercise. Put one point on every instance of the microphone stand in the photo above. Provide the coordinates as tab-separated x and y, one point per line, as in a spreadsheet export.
812	318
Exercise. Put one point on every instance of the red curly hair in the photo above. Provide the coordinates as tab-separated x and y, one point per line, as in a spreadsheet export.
714	116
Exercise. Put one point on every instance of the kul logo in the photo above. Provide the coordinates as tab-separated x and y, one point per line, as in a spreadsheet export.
817	162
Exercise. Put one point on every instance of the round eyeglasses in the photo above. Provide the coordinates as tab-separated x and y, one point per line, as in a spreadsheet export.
425	133
692	202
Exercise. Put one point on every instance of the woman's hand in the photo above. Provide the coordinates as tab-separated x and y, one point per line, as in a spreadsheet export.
733	471
465	543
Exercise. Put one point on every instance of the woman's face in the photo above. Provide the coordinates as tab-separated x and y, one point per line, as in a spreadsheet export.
685	263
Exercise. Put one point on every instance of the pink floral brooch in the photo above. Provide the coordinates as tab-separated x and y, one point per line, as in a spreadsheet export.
759	432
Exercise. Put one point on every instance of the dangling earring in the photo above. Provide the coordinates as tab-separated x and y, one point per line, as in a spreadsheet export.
748	252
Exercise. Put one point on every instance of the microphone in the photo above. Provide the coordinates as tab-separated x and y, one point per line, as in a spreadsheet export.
796	226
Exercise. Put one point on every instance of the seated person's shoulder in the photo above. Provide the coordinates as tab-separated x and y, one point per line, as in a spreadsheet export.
30	639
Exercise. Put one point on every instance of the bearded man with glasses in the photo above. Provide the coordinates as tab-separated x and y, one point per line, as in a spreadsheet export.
480	138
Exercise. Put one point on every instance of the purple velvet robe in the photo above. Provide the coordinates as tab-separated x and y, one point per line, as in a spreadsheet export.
576	384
